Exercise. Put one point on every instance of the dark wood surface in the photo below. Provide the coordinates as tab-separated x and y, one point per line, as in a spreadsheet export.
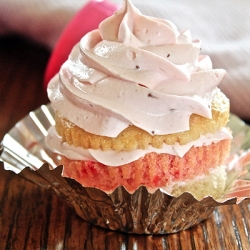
33	218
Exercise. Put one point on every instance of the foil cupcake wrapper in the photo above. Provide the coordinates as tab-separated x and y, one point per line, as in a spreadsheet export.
23	151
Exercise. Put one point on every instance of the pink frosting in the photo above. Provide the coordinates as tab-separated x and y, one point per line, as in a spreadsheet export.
135	70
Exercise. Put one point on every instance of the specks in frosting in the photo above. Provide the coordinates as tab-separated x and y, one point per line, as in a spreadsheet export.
152	96
168	55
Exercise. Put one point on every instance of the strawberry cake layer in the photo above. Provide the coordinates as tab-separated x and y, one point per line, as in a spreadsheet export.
153	170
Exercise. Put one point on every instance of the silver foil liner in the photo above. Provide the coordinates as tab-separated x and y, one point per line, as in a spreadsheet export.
23	151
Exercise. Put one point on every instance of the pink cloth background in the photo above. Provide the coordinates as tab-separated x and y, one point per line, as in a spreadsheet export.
87	19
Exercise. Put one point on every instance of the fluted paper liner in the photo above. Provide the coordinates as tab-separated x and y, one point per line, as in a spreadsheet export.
23	150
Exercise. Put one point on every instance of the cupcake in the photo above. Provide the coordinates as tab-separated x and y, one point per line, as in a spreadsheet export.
137	105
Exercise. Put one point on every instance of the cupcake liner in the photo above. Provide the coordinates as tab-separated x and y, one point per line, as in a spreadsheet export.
23	151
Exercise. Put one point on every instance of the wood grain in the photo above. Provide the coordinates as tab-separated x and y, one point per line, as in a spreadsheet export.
33	218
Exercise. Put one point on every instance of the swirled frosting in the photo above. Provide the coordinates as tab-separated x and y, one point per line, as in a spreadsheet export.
135	70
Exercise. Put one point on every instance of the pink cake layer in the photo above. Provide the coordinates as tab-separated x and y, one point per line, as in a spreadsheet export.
153	170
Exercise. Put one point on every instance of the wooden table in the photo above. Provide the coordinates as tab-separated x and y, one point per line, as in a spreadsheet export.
33	218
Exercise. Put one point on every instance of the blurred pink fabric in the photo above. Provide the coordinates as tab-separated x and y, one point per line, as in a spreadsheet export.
42	21
87	19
